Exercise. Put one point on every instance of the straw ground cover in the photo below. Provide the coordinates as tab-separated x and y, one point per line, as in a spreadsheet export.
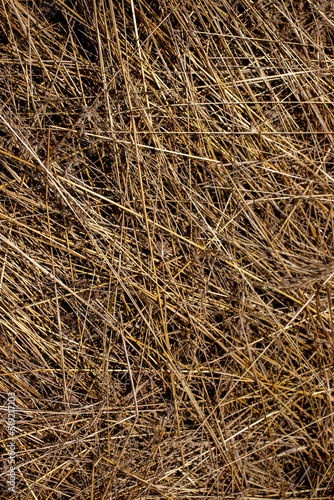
166	248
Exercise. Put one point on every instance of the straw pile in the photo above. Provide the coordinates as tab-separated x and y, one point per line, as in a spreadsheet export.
167	188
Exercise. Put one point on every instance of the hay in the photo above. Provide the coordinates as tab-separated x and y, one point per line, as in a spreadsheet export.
167	248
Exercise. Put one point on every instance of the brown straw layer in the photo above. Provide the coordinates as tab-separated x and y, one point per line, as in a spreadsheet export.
166	248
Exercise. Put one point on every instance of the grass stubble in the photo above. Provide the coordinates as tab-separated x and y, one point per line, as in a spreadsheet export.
166	248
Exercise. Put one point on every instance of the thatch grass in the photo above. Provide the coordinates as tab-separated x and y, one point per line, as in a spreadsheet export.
167	248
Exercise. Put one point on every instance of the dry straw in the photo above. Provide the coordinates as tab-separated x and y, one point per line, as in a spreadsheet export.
166	248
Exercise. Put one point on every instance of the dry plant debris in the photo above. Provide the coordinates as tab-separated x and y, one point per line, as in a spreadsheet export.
166	248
